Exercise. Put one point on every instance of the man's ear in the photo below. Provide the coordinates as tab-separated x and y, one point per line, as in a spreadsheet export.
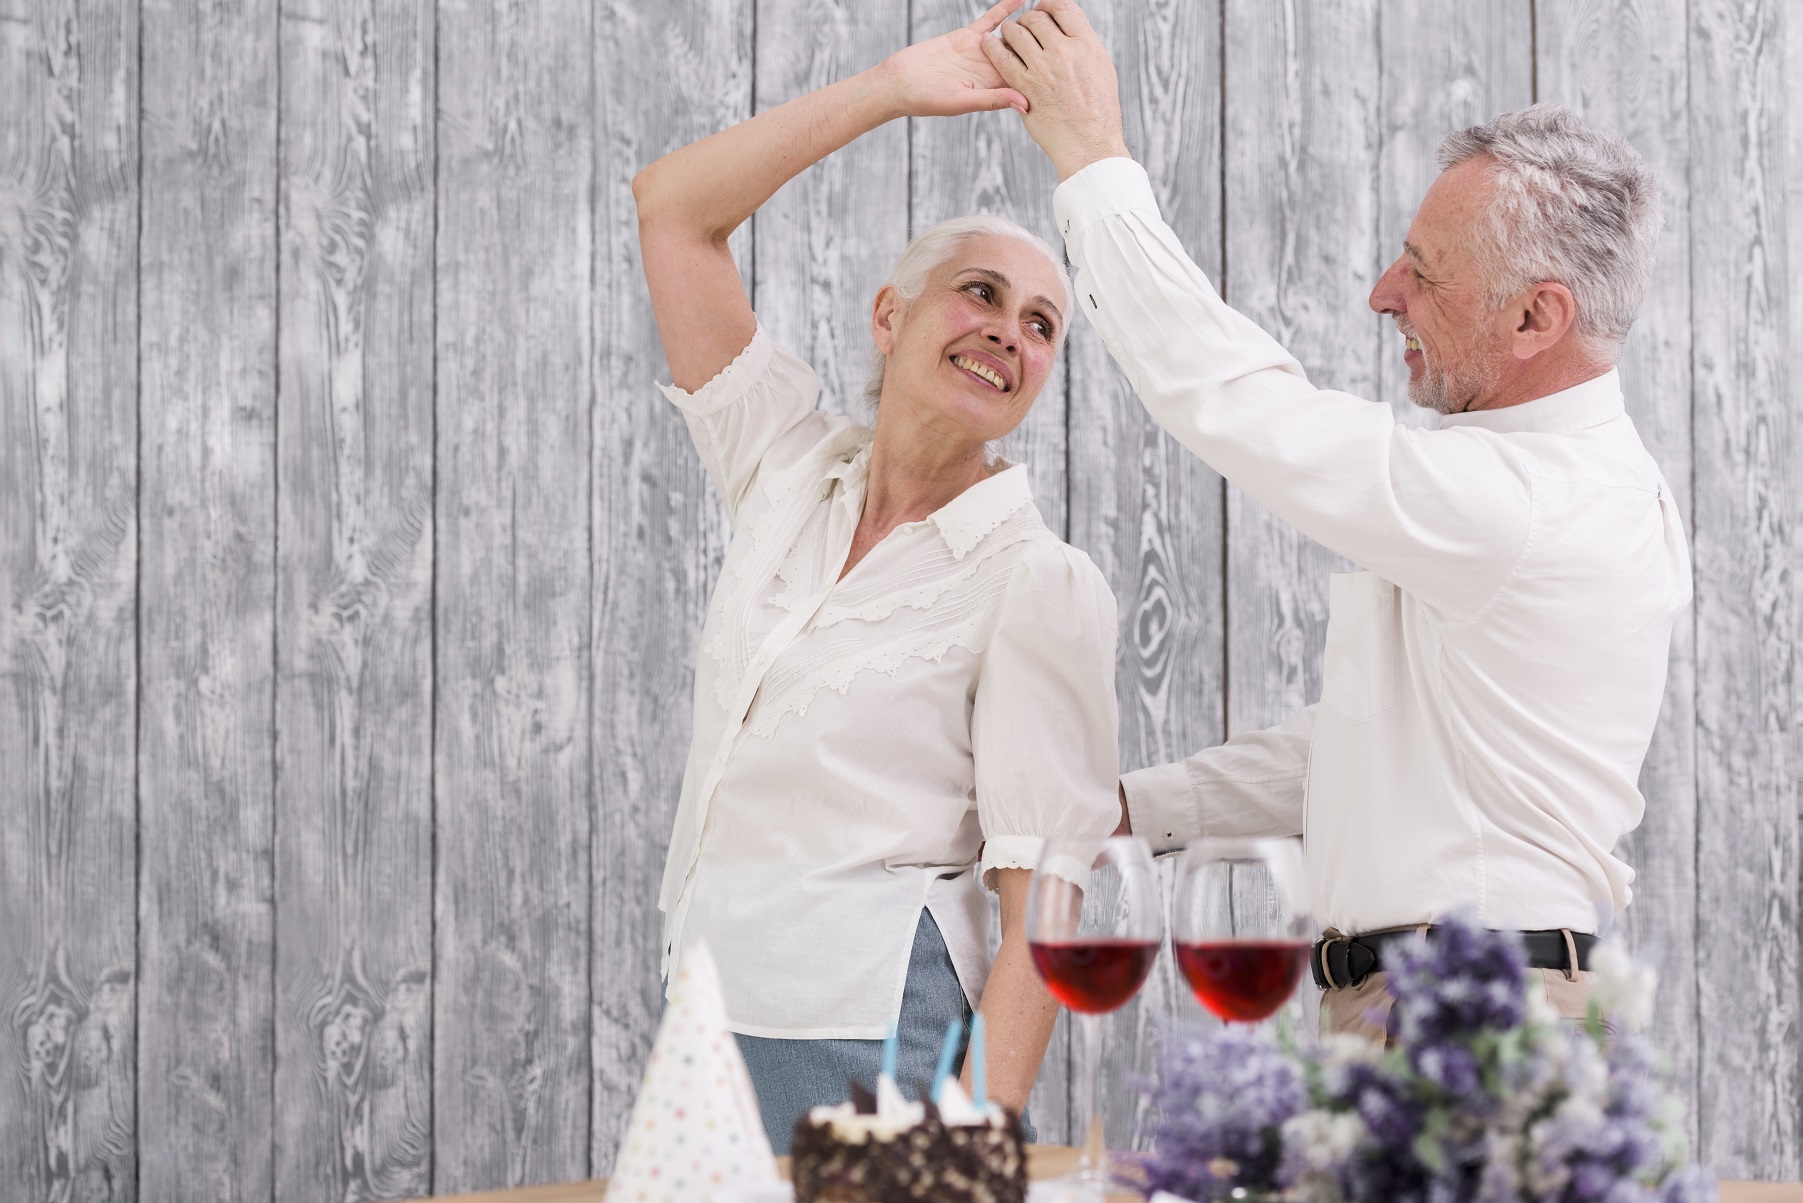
885	315
1543	313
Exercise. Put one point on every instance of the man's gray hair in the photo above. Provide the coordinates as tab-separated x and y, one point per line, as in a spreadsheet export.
1573	206
931	249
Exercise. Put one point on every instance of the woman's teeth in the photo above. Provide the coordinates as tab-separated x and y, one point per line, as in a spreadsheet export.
981	369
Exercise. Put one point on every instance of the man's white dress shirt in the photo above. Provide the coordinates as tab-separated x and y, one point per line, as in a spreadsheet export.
1493	670
856	741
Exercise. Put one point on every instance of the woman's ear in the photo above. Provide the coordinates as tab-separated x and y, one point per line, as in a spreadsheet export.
885	318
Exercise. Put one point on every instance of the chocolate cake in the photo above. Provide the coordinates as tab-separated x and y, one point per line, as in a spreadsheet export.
909	1151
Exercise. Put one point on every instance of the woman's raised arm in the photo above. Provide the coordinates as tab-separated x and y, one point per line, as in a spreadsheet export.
692	199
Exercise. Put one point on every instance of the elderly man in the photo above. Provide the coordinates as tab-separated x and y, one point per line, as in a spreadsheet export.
1494	670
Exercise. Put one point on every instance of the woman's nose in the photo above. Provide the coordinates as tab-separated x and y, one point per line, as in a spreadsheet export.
1007	342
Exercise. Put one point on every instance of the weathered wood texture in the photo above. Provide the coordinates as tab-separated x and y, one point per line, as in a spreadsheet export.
666	76
68	551
1622	65
353	719
515	310
1152	520
1748	505
352	565
824	244
1301	144
206	612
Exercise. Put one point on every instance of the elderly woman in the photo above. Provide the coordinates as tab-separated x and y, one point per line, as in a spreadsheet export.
905	681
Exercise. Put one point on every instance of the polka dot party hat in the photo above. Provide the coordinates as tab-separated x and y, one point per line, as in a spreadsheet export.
695	1133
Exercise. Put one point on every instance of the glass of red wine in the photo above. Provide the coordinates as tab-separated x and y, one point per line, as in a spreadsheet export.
1243	926
1095	919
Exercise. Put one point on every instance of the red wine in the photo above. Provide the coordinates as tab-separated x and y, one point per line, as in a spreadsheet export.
1094	975
1244	980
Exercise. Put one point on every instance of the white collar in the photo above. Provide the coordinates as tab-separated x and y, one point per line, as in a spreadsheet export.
964	521
1579	407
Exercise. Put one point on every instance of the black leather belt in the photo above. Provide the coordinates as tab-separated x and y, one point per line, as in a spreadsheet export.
1340	961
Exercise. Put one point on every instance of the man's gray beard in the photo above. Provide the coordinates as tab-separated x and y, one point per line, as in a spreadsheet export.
1454	393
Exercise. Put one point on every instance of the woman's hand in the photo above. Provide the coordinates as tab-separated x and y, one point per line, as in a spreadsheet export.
950	75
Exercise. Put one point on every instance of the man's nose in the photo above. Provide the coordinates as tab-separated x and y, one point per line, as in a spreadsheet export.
1386	297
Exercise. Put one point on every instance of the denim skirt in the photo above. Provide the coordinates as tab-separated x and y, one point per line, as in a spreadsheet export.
793	1076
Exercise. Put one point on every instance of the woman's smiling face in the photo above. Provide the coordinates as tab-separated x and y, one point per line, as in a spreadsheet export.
969	354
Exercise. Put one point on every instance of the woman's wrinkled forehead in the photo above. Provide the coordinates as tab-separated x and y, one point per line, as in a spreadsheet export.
1013	264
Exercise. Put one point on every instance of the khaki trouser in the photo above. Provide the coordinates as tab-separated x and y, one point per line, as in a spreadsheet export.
1364	1009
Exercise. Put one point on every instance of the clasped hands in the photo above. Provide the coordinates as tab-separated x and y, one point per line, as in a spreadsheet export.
1049	66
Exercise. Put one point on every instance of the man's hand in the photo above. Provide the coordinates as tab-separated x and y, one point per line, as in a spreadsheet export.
950	75
1053	57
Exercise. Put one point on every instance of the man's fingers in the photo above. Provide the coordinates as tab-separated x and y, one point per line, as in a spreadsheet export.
1041	26
1068	15
1020	39
1007	64
994	16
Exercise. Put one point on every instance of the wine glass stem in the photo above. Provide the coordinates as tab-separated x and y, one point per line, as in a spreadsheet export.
1094	1161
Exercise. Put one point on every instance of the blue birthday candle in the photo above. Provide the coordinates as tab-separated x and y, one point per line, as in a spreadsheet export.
947	1051
889	1043
976	1070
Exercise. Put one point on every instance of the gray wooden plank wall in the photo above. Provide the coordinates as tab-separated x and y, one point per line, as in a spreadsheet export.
352	567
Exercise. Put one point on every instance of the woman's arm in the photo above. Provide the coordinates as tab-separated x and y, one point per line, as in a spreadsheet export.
692	199
1017	1012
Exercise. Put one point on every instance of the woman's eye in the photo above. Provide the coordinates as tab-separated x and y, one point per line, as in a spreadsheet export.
981	291
1044	328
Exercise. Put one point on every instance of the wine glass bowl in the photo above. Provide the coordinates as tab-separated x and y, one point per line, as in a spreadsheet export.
1243	926
1095	920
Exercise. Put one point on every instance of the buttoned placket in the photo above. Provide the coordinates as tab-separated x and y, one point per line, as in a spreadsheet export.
797	624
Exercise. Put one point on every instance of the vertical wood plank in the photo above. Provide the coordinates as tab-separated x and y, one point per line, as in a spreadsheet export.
206	599
1443	67
666	76
1621	64
986	163
68	551
514	287
1301	145
354	591
1746	519
1147	510
825	243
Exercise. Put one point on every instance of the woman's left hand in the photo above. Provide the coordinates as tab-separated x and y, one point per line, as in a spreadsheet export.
950	75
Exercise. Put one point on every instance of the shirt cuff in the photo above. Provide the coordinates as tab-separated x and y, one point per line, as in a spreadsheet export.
730	383
1161	806
1008	852
1102	190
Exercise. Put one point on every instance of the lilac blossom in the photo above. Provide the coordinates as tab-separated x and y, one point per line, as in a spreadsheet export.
1487	1096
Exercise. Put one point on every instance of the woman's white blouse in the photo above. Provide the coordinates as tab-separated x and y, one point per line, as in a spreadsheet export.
857	741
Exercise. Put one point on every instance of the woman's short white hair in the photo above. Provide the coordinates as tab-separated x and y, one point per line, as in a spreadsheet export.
932	249
1573	206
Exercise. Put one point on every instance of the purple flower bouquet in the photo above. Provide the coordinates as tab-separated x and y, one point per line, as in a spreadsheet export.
1487	1097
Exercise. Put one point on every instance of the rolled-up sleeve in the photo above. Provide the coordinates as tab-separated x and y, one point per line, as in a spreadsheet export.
1445	514
1044	721
758	402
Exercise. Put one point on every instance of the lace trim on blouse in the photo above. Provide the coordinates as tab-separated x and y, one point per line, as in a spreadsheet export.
952	609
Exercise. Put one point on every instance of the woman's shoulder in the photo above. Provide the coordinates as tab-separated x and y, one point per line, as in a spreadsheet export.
1049	567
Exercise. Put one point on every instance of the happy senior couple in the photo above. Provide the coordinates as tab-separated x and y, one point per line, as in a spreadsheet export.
906	681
